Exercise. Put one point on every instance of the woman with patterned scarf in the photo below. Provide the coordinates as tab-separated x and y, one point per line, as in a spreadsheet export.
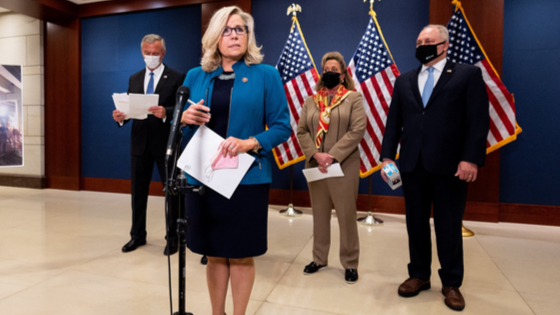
331	125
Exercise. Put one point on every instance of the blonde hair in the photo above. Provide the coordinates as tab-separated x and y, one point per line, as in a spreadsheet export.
335	55
211	57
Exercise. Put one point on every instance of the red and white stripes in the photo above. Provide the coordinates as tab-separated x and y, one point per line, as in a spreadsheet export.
502	107
297	90
377	94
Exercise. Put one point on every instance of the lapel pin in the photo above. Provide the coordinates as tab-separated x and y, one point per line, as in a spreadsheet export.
244	80
449	70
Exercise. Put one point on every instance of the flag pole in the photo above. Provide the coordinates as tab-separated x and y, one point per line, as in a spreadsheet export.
465	231
370	219
291	211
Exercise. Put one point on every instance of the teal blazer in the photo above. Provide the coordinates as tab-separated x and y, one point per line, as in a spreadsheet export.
258	101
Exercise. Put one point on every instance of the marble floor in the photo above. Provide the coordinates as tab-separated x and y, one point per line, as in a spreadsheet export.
60	253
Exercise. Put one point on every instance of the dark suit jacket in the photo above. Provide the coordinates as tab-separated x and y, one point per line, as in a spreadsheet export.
452	128
152	133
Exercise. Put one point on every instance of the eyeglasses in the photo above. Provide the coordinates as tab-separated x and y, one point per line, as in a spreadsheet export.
239	30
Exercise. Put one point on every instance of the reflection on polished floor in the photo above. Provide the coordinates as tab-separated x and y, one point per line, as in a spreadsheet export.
60	253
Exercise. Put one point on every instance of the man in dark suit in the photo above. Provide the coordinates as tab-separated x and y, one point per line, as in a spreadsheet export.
440	115
149	139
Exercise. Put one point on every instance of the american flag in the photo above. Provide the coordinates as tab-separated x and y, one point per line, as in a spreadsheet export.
374	73
465	48
299	77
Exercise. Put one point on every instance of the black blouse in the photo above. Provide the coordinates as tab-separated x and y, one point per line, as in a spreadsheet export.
220	107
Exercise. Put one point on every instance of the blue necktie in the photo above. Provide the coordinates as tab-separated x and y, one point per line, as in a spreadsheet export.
150	89
429	87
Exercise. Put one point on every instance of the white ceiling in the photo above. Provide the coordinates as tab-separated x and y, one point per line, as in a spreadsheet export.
2	10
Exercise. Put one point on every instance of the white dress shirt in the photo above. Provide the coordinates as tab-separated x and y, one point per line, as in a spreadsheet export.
423	76
157	75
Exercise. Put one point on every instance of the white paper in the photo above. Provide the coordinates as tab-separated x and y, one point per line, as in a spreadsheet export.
121	102
139	103
200	150
135	106
313	174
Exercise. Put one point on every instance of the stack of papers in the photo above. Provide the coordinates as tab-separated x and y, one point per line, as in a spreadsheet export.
135	106
201	149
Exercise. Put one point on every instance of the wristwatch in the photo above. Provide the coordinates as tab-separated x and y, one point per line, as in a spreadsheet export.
257	146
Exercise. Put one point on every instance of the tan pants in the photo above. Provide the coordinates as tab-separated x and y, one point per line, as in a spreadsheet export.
343	193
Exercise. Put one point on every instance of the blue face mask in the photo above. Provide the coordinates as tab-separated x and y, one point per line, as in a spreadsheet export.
427	53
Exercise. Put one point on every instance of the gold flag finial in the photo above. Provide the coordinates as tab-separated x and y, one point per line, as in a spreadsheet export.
371	7
294	8
457	4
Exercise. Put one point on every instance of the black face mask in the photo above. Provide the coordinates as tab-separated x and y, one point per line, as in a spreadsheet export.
331	79
427	53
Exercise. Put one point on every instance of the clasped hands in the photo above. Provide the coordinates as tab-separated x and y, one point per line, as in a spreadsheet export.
466	171
325	160
198	114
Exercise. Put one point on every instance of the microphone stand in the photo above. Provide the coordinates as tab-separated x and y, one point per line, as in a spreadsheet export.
173	188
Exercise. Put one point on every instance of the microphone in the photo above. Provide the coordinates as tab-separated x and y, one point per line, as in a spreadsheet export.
183	93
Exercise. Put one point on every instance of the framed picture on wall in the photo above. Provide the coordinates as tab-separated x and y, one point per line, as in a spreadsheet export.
11	116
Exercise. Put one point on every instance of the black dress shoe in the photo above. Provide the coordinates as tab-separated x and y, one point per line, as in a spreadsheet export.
204	260
312	268
351	276
171	248
132	245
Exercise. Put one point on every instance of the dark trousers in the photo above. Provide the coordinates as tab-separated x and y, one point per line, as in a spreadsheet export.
141	174
448	195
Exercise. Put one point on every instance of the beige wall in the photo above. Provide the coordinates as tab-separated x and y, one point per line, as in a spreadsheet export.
21	43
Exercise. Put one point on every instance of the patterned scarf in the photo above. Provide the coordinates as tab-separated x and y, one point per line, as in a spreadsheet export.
321	100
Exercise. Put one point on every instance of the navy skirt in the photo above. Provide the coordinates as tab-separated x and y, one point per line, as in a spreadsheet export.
228	228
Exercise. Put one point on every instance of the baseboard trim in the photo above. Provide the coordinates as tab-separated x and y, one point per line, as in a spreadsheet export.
530	214
23	181
475	211
63	182
116	186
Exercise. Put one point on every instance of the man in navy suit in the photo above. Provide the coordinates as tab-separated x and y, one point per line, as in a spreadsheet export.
149	139
440	115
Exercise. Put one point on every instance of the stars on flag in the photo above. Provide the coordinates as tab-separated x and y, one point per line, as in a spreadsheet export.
295	58
462	46
371	55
